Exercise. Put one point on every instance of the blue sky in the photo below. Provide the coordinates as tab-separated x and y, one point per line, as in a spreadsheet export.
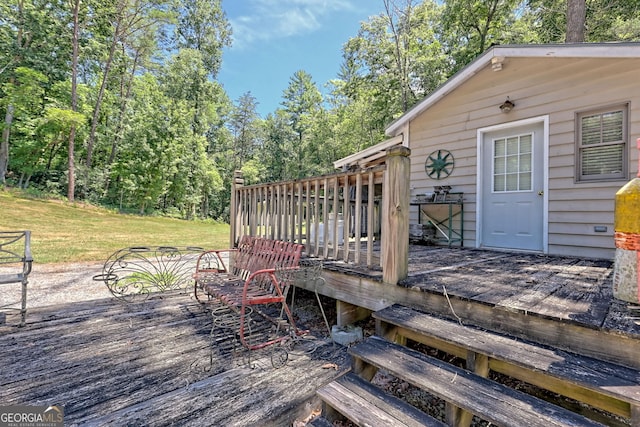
272	39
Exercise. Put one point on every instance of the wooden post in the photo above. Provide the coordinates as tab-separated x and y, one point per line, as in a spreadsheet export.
395	216
235	210
348	314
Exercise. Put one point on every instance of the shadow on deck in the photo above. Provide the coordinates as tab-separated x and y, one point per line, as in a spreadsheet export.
149	363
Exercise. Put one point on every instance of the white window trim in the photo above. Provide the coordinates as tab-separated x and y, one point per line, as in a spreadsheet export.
579	178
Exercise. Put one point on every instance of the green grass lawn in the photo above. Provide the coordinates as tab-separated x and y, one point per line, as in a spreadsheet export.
65	232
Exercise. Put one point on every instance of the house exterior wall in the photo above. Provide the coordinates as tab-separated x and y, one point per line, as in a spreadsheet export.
556	88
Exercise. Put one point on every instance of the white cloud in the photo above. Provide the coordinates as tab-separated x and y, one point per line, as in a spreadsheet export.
265	20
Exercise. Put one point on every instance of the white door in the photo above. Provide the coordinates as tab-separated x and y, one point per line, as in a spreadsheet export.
513	188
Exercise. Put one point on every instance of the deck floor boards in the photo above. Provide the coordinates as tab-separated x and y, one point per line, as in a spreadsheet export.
558	287
149	363
565	288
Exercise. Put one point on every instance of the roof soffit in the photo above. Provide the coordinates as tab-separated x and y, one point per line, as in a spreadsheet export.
582	50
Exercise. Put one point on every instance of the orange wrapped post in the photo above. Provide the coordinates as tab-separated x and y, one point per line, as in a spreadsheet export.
626	281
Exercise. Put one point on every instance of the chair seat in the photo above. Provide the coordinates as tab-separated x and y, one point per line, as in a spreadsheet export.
11	278
230	289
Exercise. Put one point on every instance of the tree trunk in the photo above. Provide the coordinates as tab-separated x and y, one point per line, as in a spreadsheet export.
71	188
576	18
4	145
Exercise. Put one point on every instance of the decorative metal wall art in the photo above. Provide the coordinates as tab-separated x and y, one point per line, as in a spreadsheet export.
439	164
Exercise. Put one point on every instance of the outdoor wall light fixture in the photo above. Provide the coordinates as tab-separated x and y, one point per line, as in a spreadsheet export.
496	63
507	105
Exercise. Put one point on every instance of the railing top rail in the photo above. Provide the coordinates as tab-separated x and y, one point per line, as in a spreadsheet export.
375	170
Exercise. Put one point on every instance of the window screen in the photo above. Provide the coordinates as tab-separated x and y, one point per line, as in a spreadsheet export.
602	144
512	163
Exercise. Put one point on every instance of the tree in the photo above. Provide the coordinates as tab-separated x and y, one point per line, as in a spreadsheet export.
550	21
245	126
201	101
470	27
24	95
127	17
203	26
141	48
148	155
277	137
32	35
395	60
399	23
301	100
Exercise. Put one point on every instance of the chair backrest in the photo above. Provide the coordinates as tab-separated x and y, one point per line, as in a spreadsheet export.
259	254
15	247
15	256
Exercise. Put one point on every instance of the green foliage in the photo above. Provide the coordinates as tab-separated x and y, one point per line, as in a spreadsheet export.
302	102
278	135
470	27
244	125
607	20
203	26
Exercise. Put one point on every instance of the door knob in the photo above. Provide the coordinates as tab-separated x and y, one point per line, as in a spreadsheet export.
540	193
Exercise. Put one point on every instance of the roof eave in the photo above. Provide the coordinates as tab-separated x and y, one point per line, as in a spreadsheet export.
573	50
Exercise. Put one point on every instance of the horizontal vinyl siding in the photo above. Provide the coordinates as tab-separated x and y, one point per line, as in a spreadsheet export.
555	87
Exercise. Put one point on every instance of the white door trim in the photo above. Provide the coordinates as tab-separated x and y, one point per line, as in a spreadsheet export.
480	173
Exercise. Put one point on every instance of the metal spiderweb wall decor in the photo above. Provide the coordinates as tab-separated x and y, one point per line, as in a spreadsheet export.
439	164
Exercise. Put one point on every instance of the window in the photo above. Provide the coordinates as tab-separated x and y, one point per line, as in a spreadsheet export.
512	163
602	144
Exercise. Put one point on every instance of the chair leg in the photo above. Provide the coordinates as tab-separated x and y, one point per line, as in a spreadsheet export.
23	310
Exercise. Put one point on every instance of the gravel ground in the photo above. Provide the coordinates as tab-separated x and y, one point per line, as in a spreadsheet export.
52	284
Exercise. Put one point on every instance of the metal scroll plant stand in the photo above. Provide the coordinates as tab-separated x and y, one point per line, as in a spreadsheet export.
309	270
138	271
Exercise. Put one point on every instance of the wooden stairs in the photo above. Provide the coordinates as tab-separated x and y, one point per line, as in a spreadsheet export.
570	389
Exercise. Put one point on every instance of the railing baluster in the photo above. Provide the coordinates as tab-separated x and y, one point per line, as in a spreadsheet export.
370	219
335	207
346	215
300	199
358	219
335	216
316	218
326	207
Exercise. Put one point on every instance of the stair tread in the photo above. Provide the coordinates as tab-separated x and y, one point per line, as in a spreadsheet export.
488	399
365	404
617	381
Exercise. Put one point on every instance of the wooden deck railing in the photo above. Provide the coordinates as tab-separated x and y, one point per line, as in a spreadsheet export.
350	216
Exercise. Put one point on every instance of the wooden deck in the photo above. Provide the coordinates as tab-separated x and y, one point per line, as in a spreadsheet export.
149	363
567	289
565	302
